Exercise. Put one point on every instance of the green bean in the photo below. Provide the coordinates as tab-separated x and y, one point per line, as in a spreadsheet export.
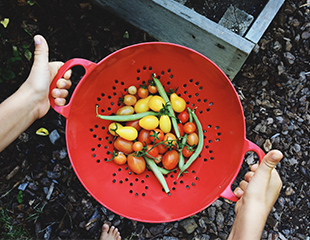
164	95
199	146
125	118
157	173
181	157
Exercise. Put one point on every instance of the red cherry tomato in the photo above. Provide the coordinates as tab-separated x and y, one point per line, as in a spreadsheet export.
152	151
192	139
156	135
187	151
161	148
170	159
181	127
143	137
136	164
189	127
183	116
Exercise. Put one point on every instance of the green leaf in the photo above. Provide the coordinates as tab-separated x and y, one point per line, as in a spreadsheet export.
28	54
7	74
31	2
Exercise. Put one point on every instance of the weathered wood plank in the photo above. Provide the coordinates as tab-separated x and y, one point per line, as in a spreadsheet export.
170	21
263	20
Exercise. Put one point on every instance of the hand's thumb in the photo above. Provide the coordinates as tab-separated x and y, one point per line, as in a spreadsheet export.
41	50
268	163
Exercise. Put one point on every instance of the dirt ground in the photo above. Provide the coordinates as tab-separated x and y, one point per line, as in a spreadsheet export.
273	86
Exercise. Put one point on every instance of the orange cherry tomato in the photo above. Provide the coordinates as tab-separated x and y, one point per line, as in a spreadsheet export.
120	158
189	127
152	89
134	124
143	92
136	164
192	139
143	137
156	135
123	145
170	140
170	159
137	146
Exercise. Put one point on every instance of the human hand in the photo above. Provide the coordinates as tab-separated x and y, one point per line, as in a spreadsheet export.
40	77
262	184
257	194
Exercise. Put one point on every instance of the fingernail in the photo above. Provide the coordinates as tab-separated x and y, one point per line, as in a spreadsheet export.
37	40
62	85
57	93
276	156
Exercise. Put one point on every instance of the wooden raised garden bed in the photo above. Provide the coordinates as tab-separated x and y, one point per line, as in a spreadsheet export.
171	21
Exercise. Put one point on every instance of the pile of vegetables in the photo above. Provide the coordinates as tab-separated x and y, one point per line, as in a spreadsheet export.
156	130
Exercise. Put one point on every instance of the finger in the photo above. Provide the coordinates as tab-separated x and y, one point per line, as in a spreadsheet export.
41	50
59	93
68	74
238	192
248	176
254	167
60	101
243	185
63	84
267	165
54	67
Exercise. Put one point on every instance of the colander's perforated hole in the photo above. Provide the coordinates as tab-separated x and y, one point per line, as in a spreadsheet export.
98	161
171	76
169	70
196	83
191	80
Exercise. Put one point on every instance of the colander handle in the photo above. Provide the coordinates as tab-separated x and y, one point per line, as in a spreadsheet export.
248	146
88	66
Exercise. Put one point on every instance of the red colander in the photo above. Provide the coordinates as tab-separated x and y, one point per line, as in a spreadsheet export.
202	84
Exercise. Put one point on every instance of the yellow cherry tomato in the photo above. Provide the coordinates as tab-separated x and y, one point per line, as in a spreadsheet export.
142	105
129	100
149	122
165	123
156	103
178	104
128	133
113	127
126	110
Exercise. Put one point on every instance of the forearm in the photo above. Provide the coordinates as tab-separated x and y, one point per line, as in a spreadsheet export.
248	224
17	113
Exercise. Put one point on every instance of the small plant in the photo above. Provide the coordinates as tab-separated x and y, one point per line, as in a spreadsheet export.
7	65
7	228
